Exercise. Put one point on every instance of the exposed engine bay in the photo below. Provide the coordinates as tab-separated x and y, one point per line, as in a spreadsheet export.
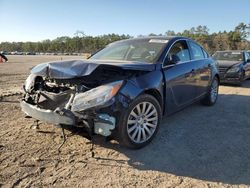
58	97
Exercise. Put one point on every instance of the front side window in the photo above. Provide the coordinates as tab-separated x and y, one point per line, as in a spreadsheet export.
196	51
179	52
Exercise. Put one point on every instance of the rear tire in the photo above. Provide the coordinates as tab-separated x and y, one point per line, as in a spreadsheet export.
140	122
212	94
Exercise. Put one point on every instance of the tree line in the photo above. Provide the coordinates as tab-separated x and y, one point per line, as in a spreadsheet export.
232	40
236	39
64	44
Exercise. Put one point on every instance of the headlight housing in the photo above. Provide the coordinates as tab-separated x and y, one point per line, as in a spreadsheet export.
95	97
234	69
29	83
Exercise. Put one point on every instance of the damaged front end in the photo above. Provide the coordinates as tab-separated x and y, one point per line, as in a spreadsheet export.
70	104
78	93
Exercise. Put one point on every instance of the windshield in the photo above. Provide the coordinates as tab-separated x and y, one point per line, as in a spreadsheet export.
144	50
229	56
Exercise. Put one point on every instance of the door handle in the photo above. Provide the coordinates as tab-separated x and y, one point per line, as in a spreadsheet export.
190	73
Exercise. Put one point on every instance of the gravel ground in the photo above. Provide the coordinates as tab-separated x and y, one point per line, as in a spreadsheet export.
196	147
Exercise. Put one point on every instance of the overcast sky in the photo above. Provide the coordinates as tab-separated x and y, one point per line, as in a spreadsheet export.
36	20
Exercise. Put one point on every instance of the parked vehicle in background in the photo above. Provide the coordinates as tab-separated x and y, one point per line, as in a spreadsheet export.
4	52
17	53
30	53
124	89
234	66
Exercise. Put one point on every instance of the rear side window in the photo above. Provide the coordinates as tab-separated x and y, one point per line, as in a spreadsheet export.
205	54
247	55
196	51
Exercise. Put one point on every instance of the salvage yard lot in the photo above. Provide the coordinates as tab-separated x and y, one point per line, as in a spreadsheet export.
199	146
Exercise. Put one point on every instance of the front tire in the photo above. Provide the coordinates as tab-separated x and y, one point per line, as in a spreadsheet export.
140	122
212	94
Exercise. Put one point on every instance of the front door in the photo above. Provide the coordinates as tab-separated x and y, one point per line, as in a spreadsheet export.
180	73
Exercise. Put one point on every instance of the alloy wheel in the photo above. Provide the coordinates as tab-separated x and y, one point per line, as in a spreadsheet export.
214	90
142	122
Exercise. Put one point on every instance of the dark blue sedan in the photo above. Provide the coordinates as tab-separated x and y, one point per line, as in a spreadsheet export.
124	89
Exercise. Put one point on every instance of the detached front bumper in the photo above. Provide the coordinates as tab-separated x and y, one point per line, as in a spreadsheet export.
102	123
49	116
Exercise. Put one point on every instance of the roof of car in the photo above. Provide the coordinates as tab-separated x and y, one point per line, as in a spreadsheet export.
152	37
231	51
156	37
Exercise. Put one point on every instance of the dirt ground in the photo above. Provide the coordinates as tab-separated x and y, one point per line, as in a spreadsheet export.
197	147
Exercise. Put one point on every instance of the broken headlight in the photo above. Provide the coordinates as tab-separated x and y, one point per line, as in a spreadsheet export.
29	83
95	97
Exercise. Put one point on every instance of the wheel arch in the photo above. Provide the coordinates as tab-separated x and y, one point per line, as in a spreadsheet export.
218	77
157	95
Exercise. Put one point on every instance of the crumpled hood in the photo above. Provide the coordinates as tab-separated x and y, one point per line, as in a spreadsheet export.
223	63
78	68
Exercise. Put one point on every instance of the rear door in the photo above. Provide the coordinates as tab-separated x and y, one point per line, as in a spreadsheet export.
180	74
202	62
